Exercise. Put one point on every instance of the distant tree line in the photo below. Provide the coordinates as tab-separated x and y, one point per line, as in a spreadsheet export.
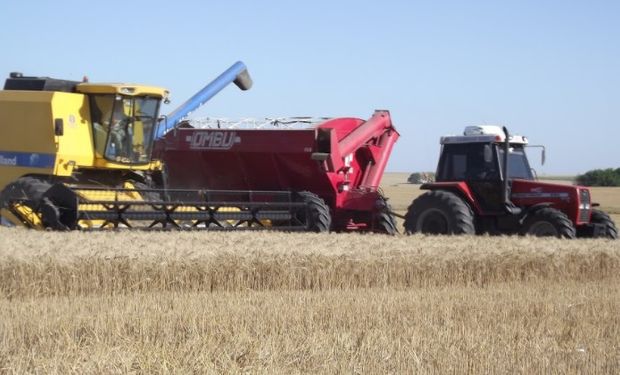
600	177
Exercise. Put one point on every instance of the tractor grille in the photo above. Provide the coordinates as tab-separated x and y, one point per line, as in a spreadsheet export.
585	205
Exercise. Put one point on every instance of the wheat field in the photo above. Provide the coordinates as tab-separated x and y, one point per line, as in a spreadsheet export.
308	303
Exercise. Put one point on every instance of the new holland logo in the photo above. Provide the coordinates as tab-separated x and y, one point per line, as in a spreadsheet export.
8	161
213	140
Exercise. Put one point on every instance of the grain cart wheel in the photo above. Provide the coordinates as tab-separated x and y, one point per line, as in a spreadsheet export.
383	220
600	217
439	212
549	222
31	190
316	215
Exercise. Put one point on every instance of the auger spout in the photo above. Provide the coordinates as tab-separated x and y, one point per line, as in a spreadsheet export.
237	73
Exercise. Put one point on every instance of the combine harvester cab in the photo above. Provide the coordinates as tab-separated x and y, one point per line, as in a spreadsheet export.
332	169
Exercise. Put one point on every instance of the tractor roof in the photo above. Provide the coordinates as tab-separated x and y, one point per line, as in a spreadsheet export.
482	134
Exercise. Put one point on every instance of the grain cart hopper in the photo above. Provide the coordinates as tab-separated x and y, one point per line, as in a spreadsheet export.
77	155
333	168
484	184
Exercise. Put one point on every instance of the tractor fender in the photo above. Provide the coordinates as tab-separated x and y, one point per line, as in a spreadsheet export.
459	188
527	211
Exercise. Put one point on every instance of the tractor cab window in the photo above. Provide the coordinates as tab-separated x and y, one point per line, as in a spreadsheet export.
124	127
518	166
467	162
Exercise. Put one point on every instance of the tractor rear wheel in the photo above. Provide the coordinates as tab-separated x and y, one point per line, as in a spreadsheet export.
383	220
31	190
549	222
600	217
439	212
316	215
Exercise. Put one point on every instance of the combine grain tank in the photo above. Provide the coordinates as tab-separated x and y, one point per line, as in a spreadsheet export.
334	168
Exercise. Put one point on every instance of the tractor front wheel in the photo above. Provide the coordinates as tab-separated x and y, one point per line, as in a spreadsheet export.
549	222
439	212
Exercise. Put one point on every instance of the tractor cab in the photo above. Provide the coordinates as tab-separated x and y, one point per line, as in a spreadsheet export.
124	120
478	155
477	159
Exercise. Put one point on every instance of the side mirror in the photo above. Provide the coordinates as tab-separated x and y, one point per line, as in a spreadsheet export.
488	154
543	153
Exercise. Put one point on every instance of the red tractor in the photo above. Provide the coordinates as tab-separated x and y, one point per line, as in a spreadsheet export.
484	184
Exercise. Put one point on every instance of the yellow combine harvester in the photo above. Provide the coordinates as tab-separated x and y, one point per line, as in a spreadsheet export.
77	155
57	136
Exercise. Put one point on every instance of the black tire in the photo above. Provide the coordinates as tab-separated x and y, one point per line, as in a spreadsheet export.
439	212
601	217
32	190
383	220
316	216
549	222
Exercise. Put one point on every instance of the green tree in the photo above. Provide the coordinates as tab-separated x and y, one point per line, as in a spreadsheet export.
600	177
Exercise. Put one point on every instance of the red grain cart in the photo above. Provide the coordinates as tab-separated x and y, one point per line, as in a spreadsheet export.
331	170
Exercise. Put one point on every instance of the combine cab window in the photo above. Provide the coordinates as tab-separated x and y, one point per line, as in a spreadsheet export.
124	127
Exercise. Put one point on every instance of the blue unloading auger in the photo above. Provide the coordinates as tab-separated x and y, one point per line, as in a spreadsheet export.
237	73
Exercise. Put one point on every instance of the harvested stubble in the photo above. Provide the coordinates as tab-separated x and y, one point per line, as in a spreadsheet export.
286	303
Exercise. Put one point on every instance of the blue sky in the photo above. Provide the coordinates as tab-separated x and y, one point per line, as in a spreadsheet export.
549	70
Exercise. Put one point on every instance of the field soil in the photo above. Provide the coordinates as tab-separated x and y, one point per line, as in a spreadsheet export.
157	302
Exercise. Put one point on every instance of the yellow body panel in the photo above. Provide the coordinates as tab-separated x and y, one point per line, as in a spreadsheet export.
75	147
29	216
28	141
26	134
122	88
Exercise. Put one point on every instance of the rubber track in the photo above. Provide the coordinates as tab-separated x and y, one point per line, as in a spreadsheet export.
30	188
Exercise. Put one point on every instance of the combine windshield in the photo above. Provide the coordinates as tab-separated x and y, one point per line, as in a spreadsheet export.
124	127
